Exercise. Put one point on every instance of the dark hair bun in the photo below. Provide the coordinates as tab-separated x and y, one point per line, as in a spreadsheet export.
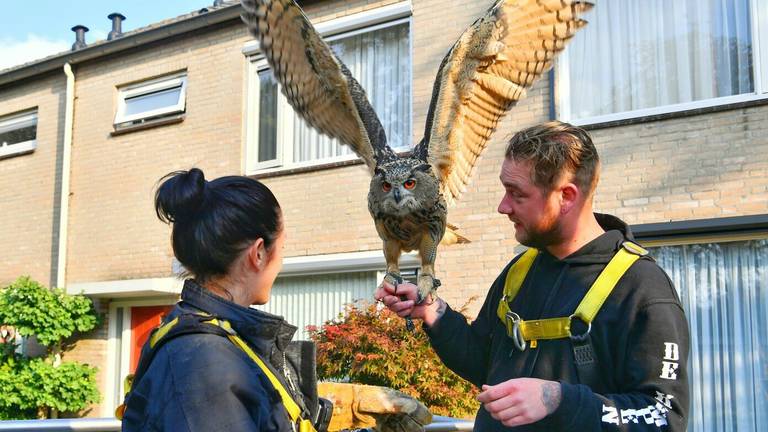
180	195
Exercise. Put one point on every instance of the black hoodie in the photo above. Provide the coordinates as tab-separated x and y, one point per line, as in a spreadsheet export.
640	338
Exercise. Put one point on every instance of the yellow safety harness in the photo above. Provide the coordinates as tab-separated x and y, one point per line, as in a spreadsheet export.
293	409
521	331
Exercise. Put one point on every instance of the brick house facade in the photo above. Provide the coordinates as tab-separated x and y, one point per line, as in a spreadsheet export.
703	164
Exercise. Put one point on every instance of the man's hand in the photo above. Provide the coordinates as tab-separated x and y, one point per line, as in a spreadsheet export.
520	401
401	299
363	406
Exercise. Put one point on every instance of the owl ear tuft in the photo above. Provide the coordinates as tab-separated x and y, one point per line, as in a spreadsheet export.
422	168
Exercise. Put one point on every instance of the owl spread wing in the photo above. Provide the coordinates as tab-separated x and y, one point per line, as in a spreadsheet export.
485	72
316	83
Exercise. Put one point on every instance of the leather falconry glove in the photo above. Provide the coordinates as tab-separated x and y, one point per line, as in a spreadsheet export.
358	406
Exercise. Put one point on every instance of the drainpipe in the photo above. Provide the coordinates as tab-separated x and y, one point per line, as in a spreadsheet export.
66	162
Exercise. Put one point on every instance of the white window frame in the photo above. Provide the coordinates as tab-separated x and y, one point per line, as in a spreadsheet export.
18	121
759	27
348	26
177	80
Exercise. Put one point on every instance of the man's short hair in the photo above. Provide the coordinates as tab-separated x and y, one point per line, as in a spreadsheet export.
555	149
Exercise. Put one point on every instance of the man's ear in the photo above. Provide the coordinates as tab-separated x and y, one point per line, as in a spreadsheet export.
570	194
257	254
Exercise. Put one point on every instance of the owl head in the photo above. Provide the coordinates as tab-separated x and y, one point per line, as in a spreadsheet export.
403	186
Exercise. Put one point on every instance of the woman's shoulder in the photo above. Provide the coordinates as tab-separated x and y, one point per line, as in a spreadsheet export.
207	371
193	354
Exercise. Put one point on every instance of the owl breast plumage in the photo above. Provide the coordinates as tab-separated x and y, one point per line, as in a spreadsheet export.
480	79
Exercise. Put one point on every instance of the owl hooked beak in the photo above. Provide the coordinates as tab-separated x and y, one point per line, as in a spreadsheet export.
397	195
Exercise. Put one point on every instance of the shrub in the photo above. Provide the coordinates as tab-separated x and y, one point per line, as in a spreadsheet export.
40	386
368	345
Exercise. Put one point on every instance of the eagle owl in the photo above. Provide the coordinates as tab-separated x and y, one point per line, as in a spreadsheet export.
482	76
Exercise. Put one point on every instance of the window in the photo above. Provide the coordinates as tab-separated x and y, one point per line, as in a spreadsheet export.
378	57
724	291
151	99
18	133
638	58
314	299
314	289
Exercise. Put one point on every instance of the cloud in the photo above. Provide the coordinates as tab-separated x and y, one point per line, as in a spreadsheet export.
14	52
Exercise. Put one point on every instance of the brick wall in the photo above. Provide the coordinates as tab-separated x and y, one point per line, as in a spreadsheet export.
91	349
114	232
29	201
704	166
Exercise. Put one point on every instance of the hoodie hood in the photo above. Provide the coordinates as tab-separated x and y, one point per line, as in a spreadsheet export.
602	249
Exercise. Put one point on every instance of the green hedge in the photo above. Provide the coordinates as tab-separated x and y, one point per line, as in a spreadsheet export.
38	387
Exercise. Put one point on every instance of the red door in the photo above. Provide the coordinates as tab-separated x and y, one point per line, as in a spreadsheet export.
143	320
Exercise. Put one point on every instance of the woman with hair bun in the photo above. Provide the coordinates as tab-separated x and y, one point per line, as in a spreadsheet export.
228	234
215	363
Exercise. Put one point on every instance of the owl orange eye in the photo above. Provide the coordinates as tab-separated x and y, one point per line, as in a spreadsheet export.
386	186
410	184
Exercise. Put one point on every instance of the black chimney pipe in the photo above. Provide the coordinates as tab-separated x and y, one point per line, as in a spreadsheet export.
79	37
117	25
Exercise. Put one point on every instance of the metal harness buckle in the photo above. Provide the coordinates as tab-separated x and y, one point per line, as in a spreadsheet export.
579	337
514	320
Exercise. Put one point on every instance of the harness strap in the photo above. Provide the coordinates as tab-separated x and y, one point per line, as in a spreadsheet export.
513	282
522	331
294	412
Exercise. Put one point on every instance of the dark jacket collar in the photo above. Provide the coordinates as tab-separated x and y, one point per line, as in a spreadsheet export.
602	249
259	328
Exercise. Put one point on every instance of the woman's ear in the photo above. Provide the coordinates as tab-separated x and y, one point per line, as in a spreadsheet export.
257	255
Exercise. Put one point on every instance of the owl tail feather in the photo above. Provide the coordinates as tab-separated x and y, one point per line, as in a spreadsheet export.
452	237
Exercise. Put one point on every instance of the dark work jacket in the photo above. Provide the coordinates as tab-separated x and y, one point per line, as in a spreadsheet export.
203	382
640	337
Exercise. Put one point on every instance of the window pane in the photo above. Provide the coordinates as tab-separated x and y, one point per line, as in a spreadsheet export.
637	54
152	101
267	116
724	291
313	300
380	61
15	136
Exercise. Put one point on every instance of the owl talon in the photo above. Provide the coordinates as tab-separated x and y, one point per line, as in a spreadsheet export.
427	284
393	279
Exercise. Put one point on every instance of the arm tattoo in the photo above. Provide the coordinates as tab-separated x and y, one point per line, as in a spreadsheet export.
551	396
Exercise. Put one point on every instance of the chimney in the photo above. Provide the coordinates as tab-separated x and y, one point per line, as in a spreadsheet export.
217	3
117	25
79	37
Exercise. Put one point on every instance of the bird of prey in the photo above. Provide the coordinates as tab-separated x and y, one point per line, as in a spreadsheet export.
482	76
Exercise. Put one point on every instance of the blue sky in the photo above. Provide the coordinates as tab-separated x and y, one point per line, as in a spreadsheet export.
31	30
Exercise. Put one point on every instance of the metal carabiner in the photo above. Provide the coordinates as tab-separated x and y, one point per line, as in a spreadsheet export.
515	333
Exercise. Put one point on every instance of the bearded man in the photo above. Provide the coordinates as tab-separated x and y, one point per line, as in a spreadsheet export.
582	332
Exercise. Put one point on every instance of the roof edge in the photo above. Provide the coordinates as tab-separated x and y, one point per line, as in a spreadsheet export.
128	41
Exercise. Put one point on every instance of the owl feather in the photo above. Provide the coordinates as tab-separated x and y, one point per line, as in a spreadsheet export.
479	80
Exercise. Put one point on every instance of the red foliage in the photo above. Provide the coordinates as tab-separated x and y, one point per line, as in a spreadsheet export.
372	346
